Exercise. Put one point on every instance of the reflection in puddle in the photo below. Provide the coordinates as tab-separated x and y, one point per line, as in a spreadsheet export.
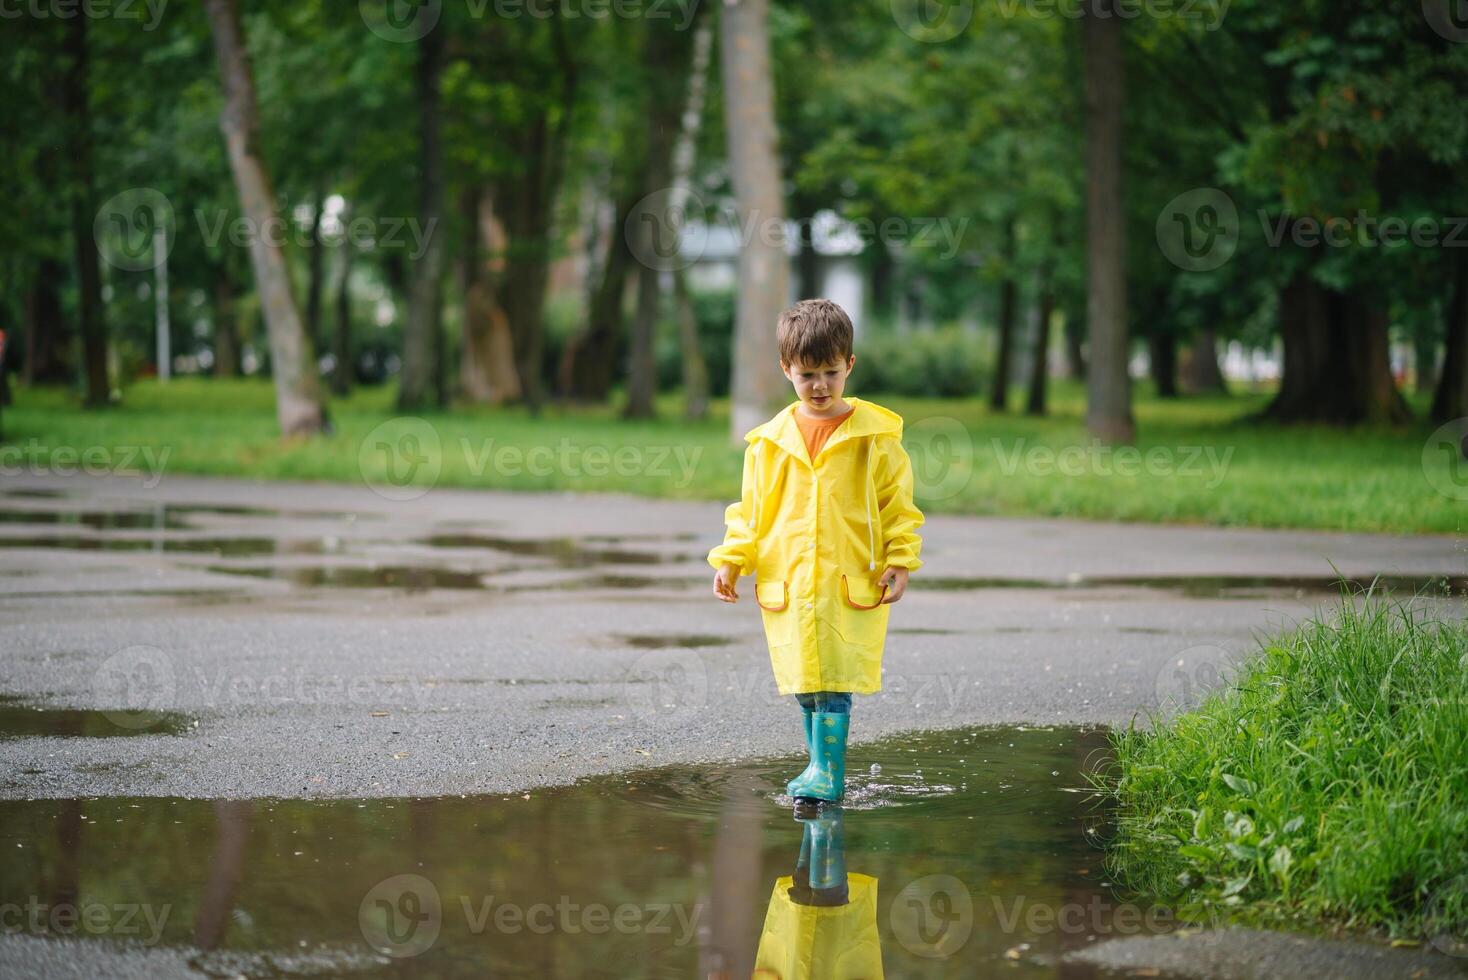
566	552
223	547
964	854
101	520
22	721
409	578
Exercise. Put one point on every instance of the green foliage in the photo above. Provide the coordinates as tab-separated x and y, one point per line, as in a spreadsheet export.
948	362
1327	782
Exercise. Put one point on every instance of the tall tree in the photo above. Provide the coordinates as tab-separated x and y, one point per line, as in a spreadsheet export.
77	97
421	343
1108	388
764	286
299	401
1450	401
695	366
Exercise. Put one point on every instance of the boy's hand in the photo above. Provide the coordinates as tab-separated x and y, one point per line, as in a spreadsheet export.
724	583
896	578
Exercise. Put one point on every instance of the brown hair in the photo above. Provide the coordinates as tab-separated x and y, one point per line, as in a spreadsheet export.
815	331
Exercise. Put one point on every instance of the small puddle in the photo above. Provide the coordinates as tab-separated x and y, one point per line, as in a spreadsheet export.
22	721
101	520
409	578
1222	586
965	853
665	641
221	547
565	552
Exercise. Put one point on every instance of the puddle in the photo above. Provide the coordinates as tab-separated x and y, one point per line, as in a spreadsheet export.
566	552
22	721
663	641
222	547
101	520
955	850
410	578
1221	586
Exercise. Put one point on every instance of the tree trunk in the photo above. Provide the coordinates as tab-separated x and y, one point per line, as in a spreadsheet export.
764	287
226	329
342	373
695	367
417	389
1162	351
1008	293
1450	401
315	272
1199	368
299	402
1336	368
46	339
76	97
1108	388
665	52
528	219
1039	360
1075	357
807	259
590	358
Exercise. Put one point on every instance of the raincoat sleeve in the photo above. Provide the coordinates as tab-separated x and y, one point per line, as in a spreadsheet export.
739	547
900	516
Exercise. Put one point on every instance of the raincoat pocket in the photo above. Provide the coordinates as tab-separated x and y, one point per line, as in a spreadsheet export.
861	619
774	603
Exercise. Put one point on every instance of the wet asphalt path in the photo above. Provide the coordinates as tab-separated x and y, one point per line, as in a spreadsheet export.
321	640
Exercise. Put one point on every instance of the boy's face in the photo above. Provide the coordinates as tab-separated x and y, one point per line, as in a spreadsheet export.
819	385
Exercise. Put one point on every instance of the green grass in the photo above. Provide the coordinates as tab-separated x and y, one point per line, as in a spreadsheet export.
1198	460
1326	785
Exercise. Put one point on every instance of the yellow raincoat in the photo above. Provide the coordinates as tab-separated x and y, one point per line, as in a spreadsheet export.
802	942
817	535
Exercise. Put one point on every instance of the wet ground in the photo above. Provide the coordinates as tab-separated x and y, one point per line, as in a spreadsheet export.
963	854
317	691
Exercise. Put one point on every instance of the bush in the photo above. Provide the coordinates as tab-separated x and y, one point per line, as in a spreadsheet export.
948	362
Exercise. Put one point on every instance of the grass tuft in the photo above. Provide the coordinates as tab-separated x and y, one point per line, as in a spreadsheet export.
1325	786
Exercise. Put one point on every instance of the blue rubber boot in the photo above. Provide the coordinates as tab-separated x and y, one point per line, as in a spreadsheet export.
825	779
809	720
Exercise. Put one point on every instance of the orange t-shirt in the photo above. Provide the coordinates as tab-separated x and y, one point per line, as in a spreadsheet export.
817	431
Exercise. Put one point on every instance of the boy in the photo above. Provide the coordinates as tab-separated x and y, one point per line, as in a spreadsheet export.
827	526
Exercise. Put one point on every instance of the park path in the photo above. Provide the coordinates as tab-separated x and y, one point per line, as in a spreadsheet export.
322	640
